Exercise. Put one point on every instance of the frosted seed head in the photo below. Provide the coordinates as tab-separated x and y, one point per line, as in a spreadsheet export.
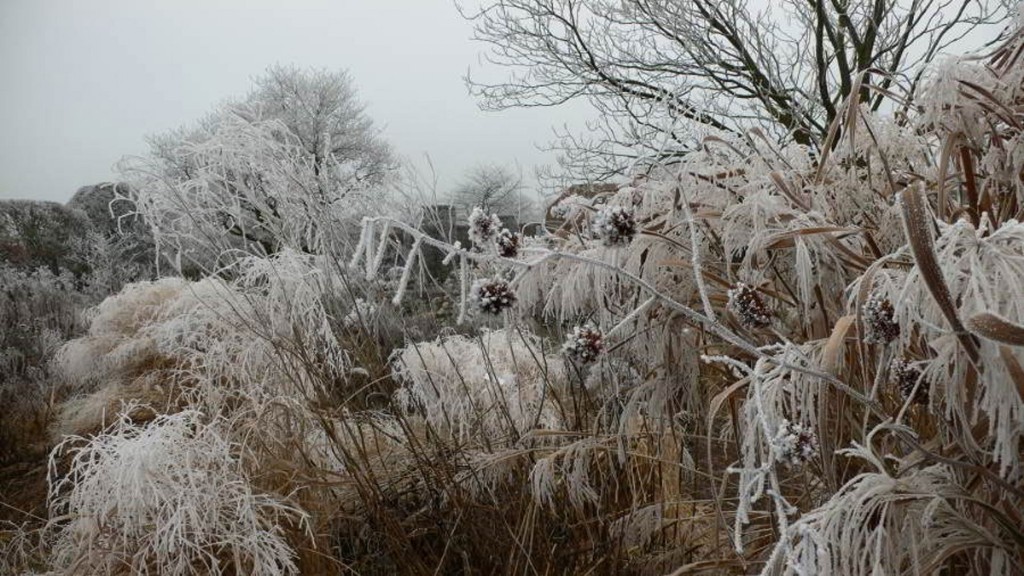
904	375
879	320
508	243
614	225
483	228
795	444
748	307
492	295
584	344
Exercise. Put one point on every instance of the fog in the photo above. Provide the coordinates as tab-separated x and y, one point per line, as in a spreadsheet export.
86	81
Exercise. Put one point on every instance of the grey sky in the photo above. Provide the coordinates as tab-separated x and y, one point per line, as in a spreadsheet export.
84	81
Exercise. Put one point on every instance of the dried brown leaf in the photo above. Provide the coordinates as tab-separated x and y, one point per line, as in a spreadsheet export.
918	223
996	328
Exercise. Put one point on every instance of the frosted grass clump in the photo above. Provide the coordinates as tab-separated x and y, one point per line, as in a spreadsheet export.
483	228
614	225
748	307
170	495
584	344
499	384
109	346
361	312
983	271
795	444
210	343
879	523
492	295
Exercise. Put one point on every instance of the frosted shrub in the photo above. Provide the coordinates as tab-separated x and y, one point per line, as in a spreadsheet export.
39	310
168	497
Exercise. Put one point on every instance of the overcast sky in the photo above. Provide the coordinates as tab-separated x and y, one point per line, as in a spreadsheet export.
85	81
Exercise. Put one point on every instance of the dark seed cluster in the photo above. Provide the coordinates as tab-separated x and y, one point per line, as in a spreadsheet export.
748	307
905	376
508	242
614	225
879	320
795	444
493	295
483	227
585	344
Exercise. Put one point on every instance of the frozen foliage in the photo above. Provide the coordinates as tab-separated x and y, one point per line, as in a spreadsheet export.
167	497
983	272
880	523
900	232
738	386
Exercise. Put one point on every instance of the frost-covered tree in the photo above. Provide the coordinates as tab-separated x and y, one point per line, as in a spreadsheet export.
122	243
495	189
710	66
291	166
37	234
322	109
